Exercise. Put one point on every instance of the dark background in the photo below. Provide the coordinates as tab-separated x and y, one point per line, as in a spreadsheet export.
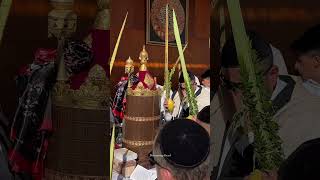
278	22
134	37
26	30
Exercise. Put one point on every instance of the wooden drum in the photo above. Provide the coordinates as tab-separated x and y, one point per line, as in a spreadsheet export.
141	122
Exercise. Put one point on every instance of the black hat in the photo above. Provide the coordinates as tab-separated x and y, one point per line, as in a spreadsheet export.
204	115
206	74
229	57
191	76
184	143
309	41
303	163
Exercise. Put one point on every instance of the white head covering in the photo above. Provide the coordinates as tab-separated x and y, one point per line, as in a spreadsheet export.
278	60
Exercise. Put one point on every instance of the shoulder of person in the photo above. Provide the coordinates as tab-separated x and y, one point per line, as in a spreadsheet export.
301	94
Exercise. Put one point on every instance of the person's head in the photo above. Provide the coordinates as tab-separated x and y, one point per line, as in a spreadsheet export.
307	49
302	164
205	78
203	118
182	84
230	69
181	151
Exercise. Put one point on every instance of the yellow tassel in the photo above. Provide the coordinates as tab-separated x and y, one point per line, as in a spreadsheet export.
255	175
170	105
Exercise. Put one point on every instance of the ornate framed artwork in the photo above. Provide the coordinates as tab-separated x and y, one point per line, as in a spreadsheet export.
156	21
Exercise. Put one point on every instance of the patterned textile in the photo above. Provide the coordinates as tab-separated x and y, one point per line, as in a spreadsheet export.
119	102
32	124
101	54
45	55
77	56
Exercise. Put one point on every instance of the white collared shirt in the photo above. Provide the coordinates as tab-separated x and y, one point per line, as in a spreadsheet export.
279	87
312	86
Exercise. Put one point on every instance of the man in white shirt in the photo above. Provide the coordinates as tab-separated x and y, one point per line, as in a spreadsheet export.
205	79
295	110
181	105
279	61
307	49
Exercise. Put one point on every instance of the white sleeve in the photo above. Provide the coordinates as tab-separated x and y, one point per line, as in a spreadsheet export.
278	60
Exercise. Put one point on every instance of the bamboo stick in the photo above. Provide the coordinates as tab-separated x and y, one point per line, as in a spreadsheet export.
4	13
166	58
113	57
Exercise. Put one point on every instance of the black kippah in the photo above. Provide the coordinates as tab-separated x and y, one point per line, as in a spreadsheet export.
229	58
184	143
303	163
191	76
206	74
204	115
309	41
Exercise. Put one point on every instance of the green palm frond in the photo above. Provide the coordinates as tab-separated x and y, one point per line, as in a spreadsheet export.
256	116
190	92
4	13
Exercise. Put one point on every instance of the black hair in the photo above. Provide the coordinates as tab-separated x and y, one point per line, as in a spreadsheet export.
186	142
191	76
303	163
309	41
204	115
229	58
206	74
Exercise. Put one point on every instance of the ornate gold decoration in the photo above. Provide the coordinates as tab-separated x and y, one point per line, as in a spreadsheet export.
149	80
61	22
140	90
144	57
142	119
93	94
129	67
55	175
137	143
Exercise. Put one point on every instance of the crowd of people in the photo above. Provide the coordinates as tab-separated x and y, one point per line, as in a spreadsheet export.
212	146
295	101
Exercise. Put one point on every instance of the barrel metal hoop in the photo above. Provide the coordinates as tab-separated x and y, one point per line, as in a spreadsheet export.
138	143
142	119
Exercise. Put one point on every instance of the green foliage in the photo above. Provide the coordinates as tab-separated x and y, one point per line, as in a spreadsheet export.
256	115
4	12
193	107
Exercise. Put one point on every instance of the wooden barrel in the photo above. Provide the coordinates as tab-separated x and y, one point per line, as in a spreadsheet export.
141	123
79	148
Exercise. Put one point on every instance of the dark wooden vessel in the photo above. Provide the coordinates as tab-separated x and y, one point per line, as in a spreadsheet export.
141	125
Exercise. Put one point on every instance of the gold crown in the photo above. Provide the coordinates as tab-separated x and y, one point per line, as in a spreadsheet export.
93	94
144	54
140	90
102	20
144	57
103	4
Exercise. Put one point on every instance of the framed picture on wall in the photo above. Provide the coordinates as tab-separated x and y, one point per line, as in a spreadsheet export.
156	21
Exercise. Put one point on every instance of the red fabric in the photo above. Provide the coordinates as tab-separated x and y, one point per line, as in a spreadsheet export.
142	75
101	54
18	162
24	71
47	121
45	55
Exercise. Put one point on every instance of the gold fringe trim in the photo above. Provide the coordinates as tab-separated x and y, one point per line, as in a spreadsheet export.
55	175
142	119
142	92
93	94
138	143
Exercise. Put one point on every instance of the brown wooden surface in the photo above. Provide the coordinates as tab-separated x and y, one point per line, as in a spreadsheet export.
26	30
80	142
134	36
143	106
